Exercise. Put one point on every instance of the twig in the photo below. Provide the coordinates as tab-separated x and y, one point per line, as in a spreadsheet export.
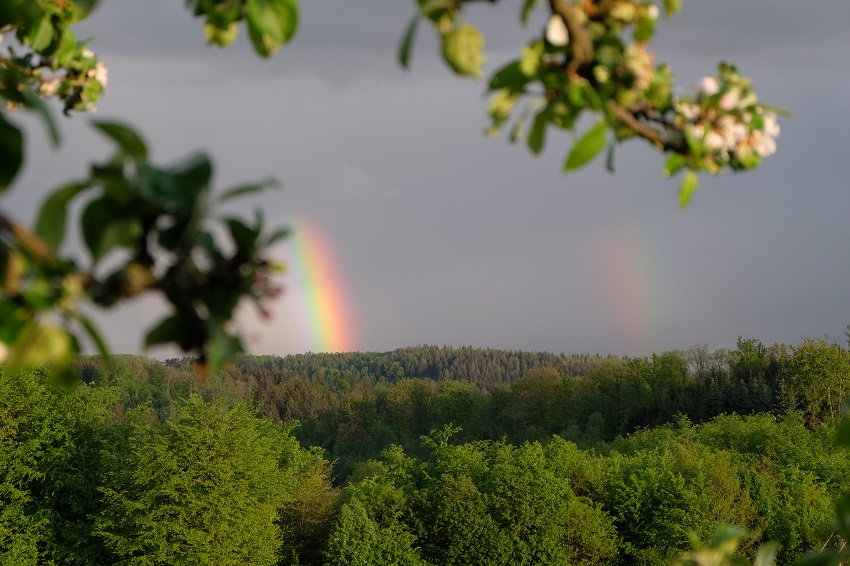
581	45
29	241
661	140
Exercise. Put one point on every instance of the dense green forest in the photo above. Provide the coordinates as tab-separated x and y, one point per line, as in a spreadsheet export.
424	455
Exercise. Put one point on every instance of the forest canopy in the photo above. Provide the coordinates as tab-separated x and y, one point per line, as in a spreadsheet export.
358	459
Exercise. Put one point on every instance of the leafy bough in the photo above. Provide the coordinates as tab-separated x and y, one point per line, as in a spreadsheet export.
593	57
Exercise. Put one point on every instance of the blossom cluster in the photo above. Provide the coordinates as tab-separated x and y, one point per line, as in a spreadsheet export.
726	119
76	76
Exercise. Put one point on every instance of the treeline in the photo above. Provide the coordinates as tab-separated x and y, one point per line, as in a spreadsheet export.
346	405
146	462
484	367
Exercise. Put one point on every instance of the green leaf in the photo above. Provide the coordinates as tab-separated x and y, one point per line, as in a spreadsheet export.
537	134
463	50
82	8
247	189
673	165
694	143
527	7
177	188
50	225
192	176
779	111
609	160
278	234
67	47
529	62
32	100
591	96
406	46
517	127
221	348
689	187
243	235
95	335
169	238
433	9
501	106
271	23
510	77
222	36
12	150
103	230
170	329
644	28
39	294
41	344
127	139
671	7
767	554
587	147
14	319
41	35
726	535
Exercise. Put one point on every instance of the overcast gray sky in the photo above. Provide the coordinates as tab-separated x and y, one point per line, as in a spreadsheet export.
443	236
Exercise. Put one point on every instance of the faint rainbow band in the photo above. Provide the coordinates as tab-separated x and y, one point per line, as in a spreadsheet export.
320	288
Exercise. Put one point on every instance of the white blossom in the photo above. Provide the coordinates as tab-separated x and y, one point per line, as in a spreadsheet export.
48	87
771	127
556	31
733	131
639	62
688	110
4	352
709	86
652	11
714	142
764	144
624	11
101	74
730	99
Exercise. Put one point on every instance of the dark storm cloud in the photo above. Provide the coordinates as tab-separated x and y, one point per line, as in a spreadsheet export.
444	236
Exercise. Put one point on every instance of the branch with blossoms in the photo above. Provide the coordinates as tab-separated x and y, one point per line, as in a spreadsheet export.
592	57
49	60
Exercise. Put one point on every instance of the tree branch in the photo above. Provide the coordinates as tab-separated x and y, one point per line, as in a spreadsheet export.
581	45
29	241
661	140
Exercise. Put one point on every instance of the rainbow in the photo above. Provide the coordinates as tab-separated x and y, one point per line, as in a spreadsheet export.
319	290
628	281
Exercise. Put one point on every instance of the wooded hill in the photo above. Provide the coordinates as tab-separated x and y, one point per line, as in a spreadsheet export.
426	455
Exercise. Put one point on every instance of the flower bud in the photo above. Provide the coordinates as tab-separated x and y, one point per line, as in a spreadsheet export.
556	31
708	86
652	11
729	100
